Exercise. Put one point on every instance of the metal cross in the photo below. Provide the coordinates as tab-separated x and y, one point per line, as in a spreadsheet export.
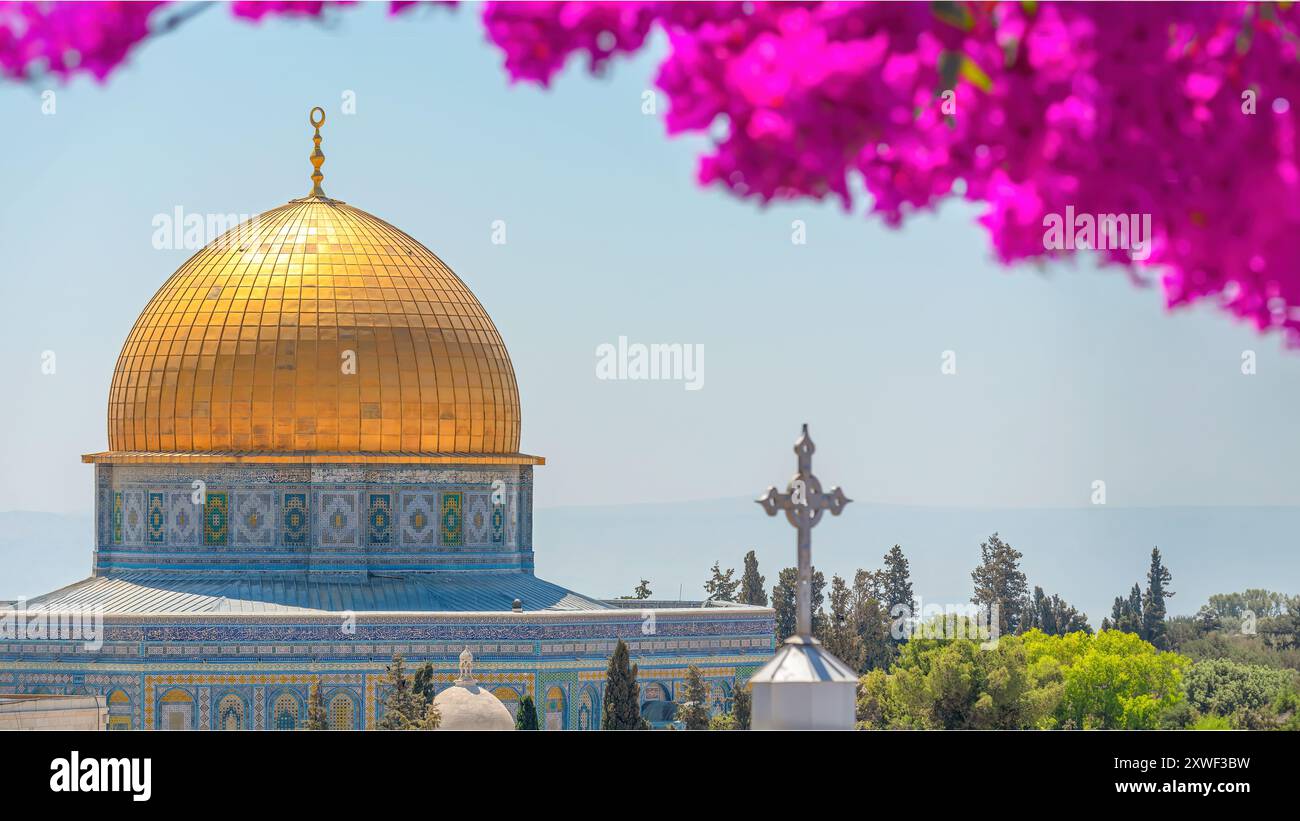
804	503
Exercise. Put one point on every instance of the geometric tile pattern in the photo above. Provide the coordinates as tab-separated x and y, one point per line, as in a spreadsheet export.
157	519
419	520
338	519
254	519
451	519
498	523
478	518
380	519
184	521
295	519
117	517
216	519
133	518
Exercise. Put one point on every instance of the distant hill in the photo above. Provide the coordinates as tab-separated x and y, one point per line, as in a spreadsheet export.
1087	555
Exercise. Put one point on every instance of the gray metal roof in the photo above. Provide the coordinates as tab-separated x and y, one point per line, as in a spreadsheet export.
455	591
801	661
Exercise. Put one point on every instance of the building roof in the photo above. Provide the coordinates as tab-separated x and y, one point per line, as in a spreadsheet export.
184	594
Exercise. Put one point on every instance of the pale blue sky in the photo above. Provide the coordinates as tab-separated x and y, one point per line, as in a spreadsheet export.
1064	376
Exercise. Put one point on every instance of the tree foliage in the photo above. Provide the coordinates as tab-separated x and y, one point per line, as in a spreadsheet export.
526	714
721	586
693	709
784	602
622	707
405	707
1000	585
751	582
1110	680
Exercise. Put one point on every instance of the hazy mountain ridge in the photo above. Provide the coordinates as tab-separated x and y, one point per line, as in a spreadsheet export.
1087	555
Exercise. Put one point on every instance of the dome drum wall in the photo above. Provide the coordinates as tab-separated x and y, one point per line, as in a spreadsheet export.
327	519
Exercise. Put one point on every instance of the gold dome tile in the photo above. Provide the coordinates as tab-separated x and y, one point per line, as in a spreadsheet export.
243	350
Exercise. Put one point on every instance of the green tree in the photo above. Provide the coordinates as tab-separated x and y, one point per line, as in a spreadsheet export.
423	683
721	587
954	684
1000	585
1053	615
742	705
1153	602
751	582
404	708
1113	680
642	590
784	602
622	707
842	636
1241	692
526	714
1126	613
317	718
723	721
693	710
896	587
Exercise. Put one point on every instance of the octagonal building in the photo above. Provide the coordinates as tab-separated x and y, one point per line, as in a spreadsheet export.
314	463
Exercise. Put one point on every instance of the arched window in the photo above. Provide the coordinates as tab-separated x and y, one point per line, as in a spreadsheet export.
654	691
342	713
587	710
554	709
285	714
176	712
119	710
230	713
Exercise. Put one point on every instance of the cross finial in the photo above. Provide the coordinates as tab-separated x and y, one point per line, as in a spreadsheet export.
804	503
317	156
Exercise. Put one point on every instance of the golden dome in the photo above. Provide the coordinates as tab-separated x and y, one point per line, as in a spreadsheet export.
315	332
317	328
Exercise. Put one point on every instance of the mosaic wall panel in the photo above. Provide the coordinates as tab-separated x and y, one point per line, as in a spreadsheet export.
419	523
296	527
451	520
379	519
145	517
338	525
156	523
478	518
183	523
133	518
216	519
254	519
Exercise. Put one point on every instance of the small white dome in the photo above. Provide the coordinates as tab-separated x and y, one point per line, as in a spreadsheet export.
466	706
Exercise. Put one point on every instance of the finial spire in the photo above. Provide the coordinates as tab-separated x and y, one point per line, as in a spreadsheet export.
317	156
466	667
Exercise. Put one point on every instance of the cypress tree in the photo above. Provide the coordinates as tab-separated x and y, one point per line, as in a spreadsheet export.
622	707
526	715
742	706
1153	603
785	603
751	582
897	582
